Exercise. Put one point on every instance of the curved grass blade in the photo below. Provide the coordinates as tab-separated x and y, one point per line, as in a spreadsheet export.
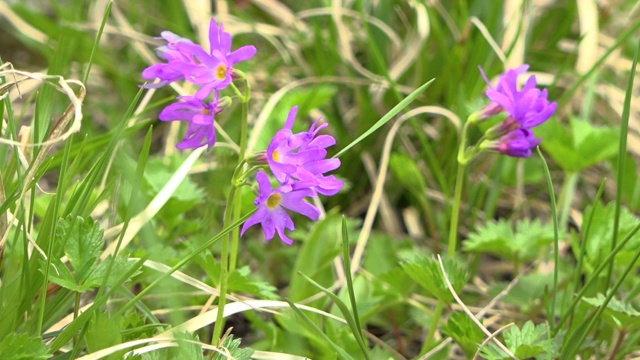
345	312
622	151
393	112
352	297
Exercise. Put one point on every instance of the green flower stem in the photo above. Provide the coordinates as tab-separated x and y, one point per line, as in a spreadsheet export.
464	157
235	234
455	210
435	319
228	257
566	196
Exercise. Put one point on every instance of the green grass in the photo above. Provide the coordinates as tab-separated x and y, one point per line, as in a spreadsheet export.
112	240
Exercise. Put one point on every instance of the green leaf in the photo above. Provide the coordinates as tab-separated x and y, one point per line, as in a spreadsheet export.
620	315
241	281
315	257
582	146
348	316
464	332
121	266
23	347
235	352
318	331
61	275
529	342
103	331
83	242
407	173
524	243
601	233
426	272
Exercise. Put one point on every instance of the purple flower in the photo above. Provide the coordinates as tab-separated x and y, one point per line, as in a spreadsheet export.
516	143
271	204
302	157
528	107
173	69
213	70
189	61
200	116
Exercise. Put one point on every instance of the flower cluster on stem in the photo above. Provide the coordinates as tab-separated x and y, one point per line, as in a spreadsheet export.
525	108
298	163
212	71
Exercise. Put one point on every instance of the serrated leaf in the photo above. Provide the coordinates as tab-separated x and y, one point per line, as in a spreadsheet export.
97	274
103	331
620	315
464	332
61	275
158	172
235	352
532	341
241	281
426	272
523	243
83	242
23	347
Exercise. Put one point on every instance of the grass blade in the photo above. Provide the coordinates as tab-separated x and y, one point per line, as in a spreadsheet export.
388	116
355	329
352	297
324	336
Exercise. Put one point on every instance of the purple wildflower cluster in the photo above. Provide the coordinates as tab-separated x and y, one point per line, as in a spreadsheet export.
298	163
526	108
212	71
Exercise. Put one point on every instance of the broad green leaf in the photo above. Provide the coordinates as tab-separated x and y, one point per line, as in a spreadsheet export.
315	257
23	347
61	275
426	272
120	267
601	233
524	243
464	332
579	146
620	315
103	331
407	173
83	242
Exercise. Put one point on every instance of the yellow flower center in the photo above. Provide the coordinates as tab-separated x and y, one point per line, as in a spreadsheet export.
275	155
221	72
273	200
206	111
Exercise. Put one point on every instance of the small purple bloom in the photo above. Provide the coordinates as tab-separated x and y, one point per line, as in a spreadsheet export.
516	143
271	204
200	116
528	106
302	157
213	70
173	69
